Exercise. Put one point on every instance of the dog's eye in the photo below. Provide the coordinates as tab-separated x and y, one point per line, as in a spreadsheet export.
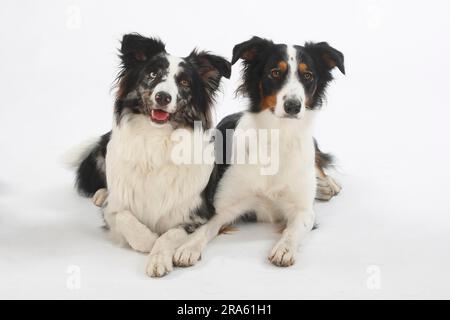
153	75
184	82
275	73
308	76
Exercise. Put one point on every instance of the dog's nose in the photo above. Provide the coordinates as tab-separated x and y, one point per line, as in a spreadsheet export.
292	106
163	98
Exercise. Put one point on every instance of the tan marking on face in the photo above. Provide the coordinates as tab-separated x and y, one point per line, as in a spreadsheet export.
267	102
282	65
303	67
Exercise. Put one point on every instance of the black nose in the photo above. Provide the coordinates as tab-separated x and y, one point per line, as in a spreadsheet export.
163	98
292	107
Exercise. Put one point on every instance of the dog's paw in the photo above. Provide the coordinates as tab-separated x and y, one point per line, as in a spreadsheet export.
282	255
100	197
159	265
334	185
143	246
187	255
141	239
143	242
327	188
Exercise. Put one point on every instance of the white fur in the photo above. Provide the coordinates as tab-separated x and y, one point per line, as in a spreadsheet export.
286	197
150	197
148	193
75	156
160	260
136	234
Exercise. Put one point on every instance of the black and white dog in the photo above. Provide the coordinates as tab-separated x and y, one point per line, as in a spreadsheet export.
151	202
285	85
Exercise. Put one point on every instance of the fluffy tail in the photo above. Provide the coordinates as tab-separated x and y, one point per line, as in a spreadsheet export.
88	160
323	160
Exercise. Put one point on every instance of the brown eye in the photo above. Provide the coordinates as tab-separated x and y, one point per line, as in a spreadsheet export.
153	75
275	73
308	76
184	83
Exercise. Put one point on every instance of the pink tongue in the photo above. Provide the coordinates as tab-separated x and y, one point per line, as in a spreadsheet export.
160	115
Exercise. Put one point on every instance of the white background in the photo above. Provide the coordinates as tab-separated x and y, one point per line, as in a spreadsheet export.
386	236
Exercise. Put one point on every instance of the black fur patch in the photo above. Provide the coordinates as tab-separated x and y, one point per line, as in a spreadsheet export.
222	154
91	174
323	160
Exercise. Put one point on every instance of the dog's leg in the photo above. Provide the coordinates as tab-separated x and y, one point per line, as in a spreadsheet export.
160	260
190	252
100	197
137	235
327	187
299	224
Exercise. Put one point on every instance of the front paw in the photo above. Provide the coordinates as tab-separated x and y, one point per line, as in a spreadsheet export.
100	197
159	265
143	242
282	255
138	237
187	256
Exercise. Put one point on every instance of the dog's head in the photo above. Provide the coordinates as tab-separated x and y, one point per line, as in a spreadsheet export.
168	90
288	80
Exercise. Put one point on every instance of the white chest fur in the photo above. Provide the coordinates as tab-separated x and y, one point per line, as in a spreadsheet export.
143	179
292	184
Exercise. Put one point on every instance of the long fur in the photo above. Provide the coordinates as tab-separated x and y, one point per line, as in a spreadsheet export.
152	203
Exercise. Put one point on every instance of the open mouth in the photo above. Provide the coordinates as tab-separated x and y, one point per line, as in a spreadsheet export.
159	116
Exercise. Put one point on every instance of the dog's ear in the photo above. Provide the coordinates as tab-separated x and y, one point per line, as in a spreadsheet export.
137	49
250	49
211	68
326	56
